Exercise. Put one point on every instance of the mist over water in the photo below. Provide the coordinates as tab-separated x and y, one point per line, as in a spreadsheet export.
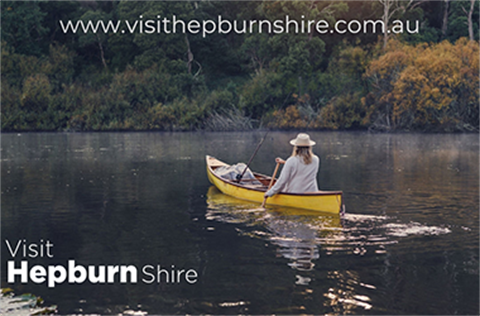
408	243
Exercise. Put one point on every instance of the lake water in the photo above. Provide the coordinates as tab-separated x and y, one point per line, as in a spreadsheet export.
408	243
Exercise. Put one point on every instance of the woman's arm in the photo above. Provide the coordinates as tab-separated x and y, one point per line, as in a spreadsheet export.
283	179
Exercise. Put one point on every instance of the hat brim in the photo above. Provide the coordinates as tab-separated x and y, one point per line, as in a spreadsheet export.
293	142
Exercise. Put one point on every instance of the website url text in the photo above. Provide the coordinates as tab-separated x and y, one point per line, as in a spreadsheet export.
174	25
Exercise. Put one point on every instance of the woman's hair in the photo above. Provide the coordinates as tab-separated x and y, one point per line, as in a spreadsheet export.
304	152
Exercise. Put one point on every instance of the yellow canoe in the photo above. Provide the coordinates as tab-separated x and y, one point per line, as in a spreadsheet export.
322	201
224	208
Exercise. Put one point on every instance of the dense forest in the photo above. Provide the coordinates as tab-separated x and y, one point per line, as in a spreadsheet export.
57	80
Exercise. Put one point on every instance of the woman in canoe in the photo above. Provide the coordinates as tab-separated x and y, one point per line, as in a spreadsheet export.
299	175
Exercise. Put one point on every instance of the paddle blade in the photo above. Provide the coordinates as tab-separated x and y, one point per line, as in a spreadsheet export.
263	203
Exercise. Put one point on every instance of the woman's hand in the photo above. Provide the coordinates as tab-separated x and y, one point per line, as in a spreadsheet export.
279	160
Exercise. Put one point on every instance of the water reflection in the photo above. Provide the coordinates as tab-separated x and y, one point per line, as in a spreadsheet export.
407	245
298	236
343	298
296	242
295	232
303	237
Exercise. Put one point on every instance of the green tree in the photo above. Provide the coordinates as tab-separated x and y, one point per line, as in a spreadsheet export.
167	49
458	20
392	9
221	58
287	63
56	11
22	27
98	39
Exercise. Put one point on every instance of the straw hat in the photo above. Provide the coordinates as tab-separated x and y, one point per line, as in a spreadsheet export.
302	140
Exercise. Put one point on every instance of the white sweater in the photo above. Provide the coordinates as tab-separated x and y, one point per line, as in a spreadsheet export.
297	177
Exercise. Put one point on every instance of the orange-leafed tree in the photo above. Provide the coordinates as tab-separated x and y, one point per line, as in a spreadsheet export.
425	87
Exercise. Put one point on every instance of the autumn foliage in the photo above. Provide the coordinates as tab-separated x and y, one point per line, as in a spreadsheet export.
75	81
424	87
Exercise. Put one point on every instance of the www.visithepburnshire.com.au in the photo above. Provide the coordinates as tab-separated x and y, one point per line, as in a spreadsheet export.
174	25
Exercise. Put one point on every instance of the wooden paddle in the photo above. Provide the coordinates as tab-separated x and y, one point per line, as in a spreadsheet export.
271	183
